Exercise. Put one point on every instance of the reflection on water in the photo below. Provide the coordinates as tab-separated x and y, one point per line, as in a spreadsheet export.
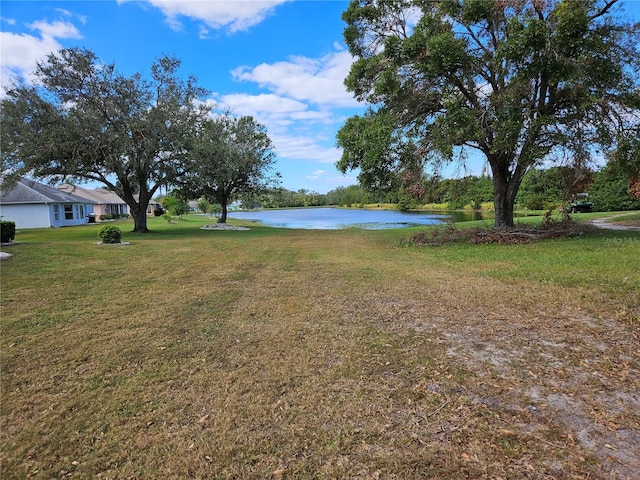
329	218
468	215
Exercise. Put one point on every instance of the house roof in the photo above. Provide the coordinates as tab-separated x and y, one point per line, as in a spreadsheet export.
101	196
30	191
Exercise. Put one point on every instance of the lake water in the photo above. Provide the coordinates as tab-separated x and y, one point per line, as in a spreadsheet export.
328	218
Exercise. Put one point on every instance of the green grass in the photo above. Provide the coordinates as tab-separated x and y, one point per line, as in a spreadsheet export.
626	217
315	354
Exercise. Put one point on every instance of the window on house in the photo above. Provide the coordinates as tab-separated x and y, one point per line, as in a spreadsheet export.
56	213
68	212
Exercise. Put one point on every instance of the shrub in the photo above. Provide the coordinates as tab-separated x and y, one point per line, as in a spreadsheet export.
204	206
7	231
175	206
216	209
535	201
110	234
406	202
169	218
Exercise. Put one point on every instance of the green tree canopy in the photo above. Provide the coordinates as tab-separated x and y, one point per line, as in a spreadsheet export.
610	190
85	121
175	205
204	205
518	81
230	157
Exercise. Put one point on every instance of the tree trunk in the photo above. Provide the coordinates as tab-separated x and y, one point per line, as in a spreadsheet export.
505	187
223	216
139	215
503	204
139	208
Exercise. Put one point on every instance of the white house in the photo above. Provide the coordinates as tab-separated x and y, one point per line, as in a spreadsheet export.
33	205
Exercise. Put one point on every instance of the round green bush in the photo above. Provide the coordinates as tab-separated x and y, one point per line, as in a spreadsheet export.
110	234
7	231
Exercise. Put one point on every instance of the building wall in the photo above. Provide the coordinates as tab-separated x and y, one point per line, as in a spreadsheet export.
27	216
69	214
110	209
40	215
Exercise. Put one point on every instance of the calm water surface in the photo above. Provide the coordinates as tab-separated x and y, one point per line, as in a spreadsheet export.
335	218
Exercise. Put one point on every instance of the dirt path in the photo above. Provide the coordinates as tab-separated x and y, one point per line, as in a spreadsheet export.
605	224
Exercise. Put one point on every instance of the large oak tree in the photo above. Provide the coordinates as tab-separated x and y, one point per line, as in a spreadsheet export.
83	120
519	81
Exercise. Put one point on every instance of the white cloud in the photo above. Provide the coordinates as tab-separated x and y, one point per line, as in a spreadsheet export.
203	33
304	148
246	104
315	175
296	130
57	29
274	111
319	81
234	15
302	108
326	184
66	13
21	52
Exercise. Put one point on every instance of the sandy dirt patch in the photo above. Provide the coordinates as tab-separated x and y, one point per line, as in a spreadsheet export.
222	226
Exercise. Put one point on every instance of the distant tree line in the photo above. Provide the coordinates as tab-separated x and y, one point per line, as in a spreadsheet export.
609	188
542	189
353	195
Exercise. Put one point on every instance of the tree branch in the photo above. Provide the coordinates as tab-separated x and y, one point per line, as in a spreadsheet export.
604	9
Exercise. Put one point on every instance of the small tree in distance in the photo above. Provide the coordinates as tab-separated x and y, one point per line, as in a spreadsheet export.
175	205
230	156
203	205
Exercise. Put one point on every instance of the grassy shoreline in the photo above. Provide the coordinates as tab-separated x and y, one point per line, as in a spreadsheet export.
317	354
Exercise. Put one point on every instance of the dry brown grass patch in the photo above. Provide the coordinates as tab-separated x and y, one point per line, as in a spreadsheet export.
311	355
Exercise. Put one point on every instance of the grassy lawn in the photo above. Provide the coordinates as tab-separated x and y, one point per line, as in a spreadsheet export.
632	219
274	353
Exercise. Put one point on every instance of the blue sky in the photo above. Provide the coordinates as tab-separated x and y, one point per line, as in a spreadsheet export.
281	61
